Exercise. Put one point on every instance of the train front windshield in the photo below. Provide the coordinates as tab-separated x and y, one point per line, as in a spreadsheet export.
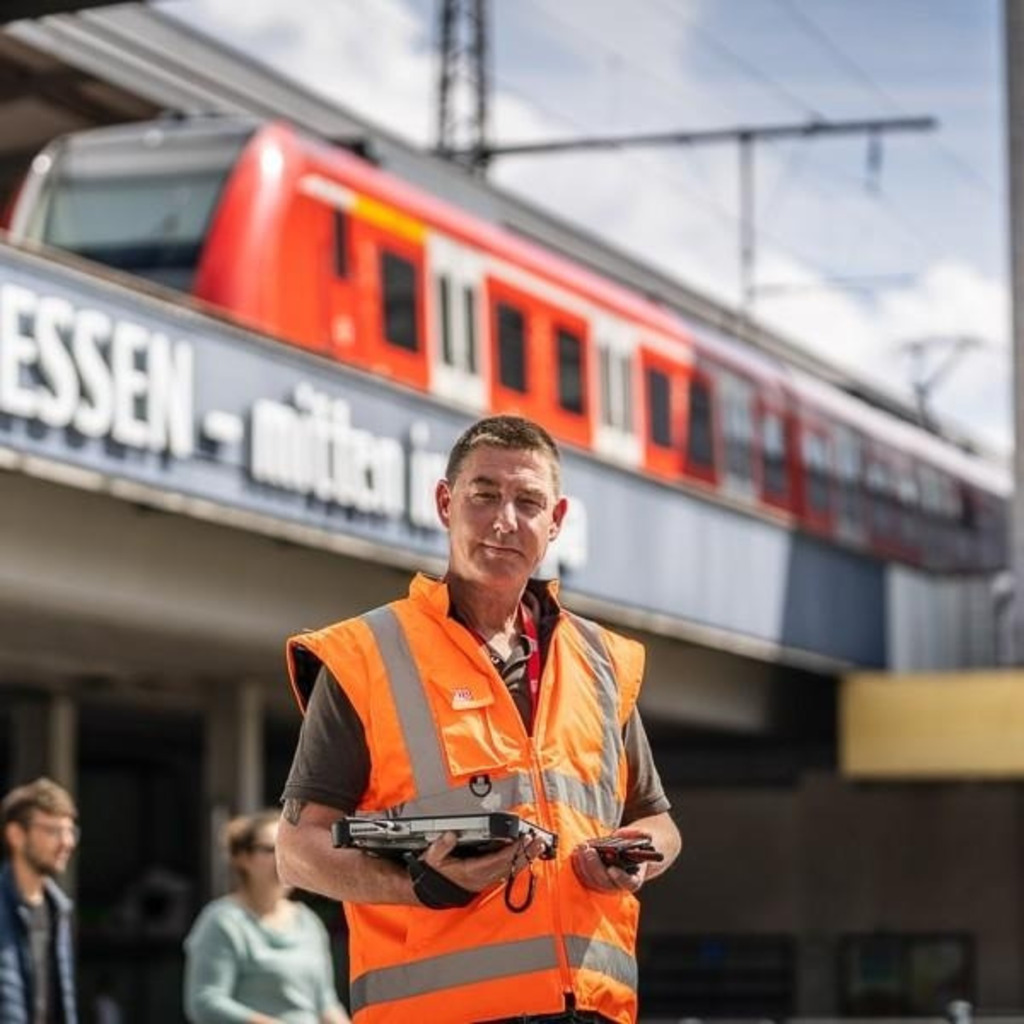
136	198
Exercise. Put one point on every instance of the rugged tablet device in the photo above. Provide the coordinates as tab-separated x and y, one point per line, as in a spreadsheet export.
475	833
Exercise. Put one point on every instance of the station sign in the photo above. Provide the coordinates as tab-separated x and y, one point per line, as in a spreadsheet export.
123	395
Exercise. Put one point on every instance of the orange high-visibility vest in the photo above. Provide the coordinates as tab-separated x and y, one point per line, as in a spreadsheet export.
446	738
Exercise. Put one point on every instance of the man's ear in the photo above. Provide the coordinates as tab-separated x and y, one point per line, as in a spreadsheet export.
443	502
557	517
14	836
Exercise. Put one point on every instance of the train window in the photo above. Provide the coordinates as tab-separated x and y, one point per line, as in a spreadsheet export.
700	445
880	488
399	294
154	226
773	438
816	466
604	358
570	371
444	319
340	243
660	408
511	348
848	474
469	307
738	427
626	392
616	390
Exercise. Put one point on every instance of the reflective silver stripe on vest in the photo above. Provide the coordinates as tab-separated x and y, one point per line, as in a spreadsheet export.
593	955
410	697
503	795
604	803
595	802
434	793
450	970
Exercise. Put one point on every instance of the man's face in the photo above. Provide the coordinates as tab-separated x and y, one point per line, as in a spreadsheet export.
501	512
45	844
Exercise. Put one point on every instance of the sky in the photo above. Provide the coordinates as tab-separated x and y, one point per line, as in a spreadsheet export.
856	254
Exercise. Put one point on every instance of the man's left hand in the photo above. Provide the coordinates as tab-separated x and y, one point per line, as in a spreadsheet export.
594	874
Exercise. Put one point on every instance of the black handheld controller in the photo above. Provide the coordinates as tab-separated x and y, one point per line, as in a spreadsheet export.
625	852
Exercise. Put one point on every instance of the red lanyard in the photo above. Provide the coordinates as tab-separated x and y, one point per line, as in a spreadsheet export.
533	661
533	666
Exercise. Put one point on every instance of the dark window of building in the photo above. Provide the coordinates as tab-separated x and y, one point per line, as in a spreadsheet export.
511	348
726	976
469	298
903	975
340	243
660	408
444	316
570	371
399	291
700	445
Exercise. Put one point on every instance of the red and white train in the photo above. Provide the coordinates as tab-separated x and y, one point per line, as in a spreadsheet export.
312	244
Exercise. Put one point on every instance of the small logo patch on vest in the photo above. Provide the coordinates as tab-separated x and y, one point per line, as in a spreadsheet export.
462	697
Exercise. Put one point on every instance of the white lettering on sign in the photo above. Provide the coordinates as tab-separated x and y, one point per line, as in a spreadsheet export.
79	368
425	469
312	448
569	549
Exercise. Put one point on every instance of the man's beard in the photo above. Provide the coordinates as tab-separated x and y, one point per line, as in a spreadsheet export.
40	867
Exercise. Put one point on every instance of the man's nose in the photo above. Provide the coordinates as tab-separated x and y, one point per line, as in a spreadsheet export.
505	519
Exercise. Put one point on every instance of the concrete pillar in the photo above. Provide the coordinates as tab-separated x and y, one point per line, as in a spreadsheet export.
233	767
45	739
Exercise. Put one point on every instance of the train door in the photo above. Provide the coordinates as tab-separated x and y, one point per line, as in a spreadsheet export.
616	434
702	427
664	411
851	522
883	511
816	473
456	318
740	468
540	359
776	449
375	314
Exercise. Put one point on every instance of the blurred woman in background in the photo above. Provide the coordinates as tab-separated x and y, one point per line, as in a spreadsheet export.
254	956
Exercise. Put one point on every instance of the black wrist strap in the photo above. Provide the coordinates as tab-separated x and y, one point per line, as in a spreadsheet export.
433	889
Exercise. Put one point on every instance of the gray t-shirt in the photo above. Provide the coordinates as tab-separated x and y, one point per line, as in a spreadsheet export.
40	944
331	765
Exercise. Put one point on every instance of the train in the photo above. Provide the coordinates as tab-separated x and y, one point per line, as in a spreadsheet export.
313	244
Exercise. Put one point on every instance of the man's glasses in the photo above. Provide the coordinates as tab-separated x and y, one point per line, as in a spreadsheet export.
72	832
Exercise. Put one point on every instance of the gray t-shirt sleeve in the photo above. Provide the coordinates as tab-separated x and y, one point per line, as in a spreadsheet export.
331	765
645	794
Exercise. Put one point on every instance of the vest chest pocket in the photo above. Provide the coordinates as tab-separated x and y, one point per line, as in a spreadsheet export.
472	743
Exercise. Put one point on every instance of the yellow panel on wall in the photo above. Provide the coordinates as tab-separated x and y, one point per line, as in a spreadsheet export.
933	725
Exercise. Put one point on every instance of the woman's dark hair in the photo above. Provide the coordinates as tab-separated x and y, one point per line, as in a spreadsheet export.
241	833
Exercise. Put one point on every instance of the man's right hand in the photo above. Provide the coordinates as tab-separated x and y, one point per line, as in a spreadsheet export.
479	873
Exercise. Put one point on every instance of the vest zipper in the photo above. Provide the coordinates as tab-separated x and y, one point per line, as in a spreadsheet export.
547	818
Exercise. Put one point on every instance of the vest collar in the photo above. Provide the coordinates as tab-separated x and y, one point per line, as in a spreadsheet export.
434	593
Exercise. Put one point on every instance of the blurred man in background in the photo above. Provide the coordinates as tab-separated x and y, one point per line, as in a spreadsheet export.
36	962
